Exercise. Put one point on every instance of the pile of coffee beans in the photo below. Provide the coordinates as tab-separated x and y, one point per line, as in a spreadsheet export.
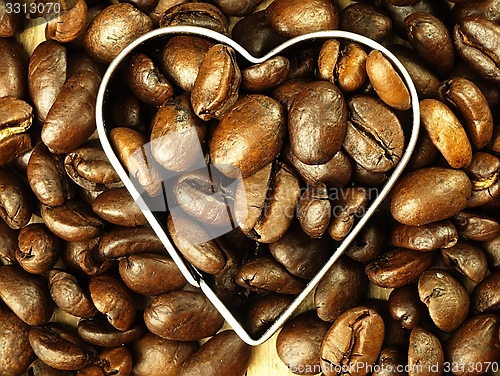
261	170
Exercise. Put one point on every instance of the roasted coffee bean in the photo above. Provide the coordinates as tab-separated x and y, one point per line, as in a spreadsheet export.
398	267
349	203
39	368
146	81
470	103
195	244
99	332
328	58
70	22
317	122
111	297
297	17
350	69
111	361
13	73
16	209
264	273
429	36
181	59
38	248
236	146
47	73
476	41
475	226
217	83
298	344
314	210
441	234
369	242
16	118
26	294
195	14
301	255
361	176
150	274
154	355
386	82
182	316
89	167
12	23
475	342
133	151
71	119
72	221
406	307
81	60
374	137
177	135
483	170
250	198
104	39
467	258
484	8
425	153
355	338
231	353
389	360
445	297
83	258
399	13
255	34
265	76
491	249
130	112
237	8
8	242
117	206
279	212
15	350
47	178
425	352
414	204
446	133
60	347
69	295
341	289
262	313
425	80
485	296
367	20
335	173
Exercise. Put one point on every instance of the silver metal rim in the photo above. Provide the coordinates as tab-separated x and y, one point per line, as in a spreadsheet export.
190	273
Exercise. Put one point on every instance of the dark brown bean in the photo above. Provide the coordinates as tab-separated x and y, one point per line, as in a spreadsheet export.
262	313
83	258
182	316
38	248
99	332
314	210
354	340
68	24
341	289
369	242
445	297
195	14
69	295
425	353
104	39
26	294
367	20
12	23
398	267
317	103
414	204
14	204
350	70
441	234
406	307
265	76
117	206
150	274
485	296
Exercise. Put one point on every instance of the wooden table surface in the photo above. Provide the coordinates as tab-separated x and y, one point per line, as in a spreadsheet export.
265	361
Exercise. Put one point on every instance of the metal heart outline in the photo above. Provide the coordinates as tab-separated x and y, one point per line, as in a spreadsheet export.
193	276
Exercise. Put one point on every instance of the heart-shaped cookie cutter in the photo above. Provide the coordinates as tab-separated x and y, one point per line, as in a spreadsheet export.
194	276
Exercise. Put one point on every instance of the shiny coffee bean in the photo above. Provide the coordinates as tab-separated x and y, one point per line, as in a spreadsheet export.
262	313
195	14
414	204
150	274
111	297
445	297
13	77
406	307
389	360
265	76
485	296
83	259
369	242
26	295
355	338
341	289
182	316
398	267
467	258
16	208
475	226
38	248
350	69
314	210
117	206
441	234
425	351
69	295
99	332
366	19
